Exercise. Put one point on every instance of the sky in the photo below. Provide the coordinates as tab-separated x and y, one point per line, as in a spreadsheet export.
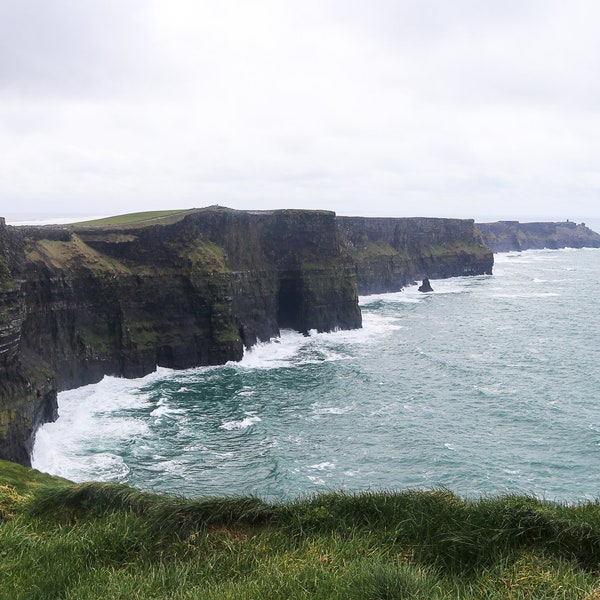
449	108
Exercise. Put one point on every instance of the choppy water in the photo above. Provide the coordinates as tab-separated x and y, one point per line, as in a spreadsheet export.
489	385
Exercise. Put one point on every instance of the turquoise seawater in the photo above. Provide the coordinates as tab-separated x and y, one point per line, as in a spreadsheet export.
488	385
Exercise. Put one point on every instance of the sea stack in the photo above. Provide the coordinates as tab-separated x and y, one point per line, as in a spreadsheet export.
425	286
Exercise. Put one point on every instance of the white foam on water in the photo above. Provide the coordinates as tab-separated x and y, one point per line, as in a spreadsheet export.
319	411
195	448
316	480
177	468
375	328
244	423
224	455
489	390
273	354
164	409
511	471
106	467
87	420
333	411
323	466
246	393
409	296
455	285
293	349
527	295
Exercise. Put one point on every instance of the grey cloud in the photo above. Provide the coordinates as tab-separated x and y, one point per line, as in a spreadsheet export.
69	47
430	107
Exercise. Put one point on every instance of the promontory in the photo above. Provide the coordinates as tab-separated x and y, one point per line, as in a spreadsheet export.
508	236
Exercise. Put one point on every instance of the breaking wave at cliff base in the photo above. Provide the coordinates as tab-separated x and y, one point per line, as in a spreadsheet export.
487	385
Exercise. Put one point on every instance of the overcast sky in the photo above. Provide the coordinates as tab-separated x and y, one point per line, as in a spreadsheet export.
466	108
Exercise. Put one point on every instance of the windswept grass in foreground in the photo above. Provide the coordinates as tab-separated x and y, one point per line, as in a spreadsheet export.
67	541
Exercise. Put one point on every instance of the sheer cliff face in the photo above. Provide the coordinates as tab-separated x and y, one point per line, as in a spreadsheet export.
390	253
507	236
80	302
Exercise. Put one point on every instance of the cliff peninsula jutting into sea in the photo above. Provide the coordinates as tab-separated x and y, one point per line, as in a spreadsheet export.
178	289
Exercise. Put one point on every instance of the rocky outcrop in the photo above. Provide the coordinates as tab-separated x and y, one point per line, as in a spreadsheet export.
425	287
78	302
508	236
391	253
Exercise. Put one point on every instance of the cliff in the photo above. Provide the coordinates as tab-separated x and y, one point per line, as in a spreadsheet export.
390	253
507	236
189	288
80	302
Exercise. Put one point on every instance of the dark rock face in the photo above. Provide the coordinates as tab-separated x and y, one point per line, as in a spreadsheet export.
425	286
507	236
77	303
390	253
80	302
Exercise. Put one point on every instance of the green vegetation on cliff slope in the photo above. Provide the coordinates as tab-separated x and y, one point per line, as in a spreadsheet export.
68	541
71	255
145	218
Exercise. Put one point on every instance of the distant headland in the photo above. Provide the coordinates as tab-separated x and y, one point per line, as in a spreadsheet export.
507	236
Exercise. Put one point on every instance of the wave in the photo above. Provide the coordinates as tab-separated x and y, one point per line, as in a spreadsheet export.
244	423
293	349
88	419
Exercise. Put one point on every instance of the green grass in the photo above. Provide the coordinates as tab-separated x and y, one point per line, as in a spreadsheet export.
72	255
88	541
23	480
164	216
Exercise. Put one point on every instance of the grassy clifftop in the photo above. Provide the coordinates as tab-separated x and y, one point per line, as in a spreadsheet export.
62	540
140	218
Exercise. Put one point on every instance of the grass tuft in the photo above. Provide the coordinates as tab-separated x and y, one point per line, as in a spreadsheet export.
163	515
98	540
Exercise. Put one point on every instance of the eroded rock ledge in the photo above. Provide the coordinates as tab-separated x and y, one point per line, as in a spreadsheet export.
81	301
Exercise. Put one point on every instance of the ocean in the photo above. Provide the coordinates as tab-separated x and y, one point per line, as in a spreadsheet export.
489	385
